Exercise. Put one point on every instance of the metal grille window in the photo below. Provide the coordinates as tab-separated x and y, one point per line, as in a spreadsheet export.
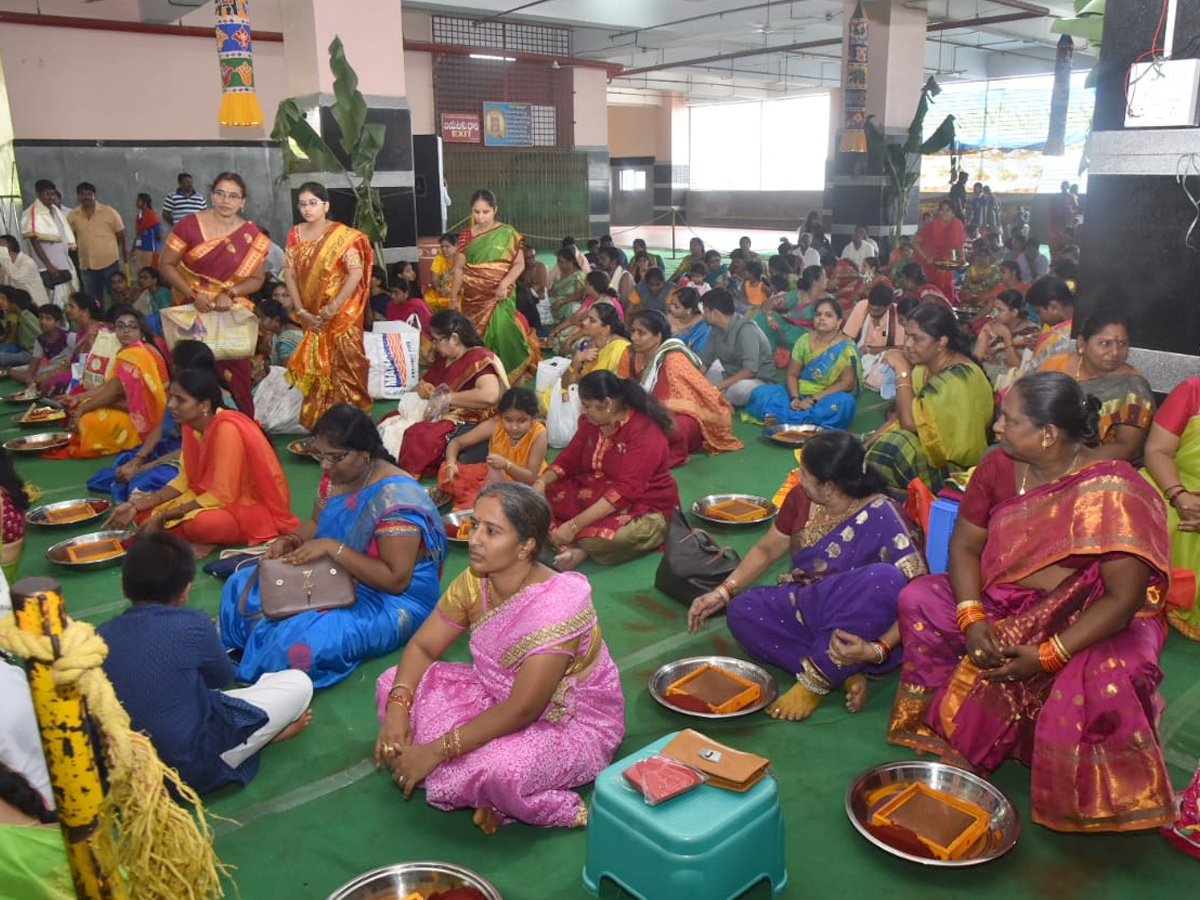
546	40
461	83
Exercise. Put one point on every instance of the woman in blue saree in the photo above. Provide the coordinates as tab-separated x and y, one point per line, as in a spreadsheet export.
832	619
822	377
384	530
686	315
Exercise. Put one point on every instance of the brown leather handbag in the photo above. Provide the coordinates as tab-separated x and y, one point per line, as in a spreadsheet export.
285	589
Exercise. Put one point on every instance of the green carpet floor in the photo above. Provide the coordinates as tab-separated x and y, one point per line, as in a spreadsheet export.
318	813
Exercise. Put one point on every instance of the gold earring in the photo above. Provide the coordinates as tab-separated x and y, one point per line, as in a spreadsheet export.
1046	442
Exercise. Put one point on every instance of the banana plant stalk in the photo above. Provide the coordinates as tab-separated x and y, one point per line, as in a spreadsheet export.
360	142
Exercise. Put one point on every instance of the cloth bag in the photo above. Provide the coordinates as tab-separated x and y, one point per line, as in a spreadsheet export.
393	351
410	410
230	334
562	421
286	590
277	404
100	359
692	562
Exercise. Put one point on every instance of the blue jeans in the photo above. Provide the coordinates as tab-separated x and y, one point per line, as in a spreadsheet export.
95	281
12	355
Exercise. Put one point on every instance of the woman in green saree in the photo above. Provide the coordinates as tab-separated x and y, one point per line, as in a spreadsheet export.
943	403
786	316
486	269
1173	462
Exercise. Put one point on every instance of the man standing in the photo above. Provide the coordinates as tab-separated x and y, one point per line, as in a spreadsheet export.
51	239
184	201
100	234
19	270
804	251
860	248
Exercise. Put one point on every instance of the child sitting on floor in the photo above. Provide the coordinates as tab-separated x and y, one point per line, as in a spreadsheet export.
166	664
406	308
51	351
516	447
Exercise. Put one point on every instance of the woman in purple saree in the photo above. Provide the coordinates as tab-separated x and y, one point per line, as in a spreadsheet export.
538	711
1042	643
832	620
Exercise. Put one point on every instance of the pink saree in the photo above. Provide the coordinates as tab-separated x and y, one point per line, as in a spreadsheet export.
527	776
1088	733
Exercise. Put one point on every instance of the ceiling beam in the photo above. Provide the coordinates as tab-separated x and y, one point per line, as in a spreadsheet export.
828	42
15	18
703	16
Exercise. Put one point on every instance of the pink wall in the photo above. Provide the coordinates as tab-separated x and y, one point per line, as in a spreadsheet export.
71	84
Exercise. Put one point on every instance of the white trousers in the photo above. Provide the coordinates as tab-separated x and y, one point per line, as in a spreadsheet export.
283	696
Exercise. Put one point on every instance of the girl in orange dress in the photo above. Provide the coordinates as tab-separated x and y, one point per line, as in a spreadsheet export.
517	444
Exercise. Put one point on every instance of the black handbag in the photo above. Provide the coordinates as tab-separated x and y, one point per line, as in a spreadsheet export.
692	563
53	281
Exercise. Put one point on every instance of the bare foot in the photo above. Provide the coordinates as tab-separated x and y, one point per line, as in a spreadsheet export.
202	550
571	558
856	692
295	728
486	820
797	704
770	420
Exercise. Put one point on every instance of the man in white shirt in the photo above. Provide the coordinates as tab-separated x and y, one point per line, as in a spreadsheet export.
275	259
19	270
860	247
1032	261
805	253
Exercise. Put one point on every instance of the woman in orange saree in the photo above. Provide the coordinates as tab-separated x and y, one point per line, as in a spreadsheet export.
214	259
118	414
1042	643
941	240
671	372
230	488
486	269
325	271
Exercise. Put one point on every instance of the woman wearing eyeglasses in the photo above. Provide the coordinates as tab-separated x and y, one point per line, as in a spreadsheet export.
326	271
120	412
215	259
383	529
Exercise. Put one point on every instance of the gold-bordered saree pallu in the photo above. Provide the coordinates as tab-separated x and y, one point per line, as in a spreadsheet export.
486	260
211	266
330	366
1087	733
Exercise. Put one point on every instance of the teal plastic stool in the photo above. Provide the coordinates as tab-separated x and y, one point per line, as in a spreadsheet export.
707	844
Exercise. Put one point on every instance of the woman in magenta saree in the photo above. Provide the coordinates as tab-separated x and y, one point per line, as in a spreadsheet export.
1059	566
539	709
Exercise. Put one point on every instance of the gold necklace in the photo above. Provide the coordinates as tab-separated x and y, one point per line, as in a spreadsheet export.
524	584
1025	477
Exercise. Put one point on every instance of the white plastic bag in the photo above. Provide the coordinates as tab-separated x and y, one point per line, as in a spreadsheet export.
563	418
392	349
277	404
410	410
549	371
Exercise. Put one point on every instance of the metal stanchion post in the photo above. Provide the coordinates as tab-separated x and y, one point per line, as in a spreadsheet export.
674	247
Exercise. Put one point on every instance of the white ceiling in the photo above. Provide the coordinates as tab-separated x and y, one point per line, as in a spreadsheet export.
653	34
639	34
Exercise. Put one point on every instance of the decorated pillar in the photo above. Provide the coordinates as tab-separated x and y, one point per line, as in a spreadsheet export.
883	45
370	31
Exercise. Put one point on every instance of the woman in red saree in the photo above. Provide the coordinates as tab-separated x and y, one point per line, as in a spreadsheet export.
214	259
486	268
671	372
325	270
120	412
1058	565
230	488
941	240
462	386
610	488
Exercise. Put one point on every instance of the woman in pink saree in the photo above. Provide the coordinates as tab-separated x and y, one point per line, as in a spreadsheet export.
1043	642
538	711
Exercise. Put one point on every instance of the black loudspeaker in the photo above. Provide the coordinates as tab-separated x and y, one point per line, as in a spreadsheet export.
428	173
